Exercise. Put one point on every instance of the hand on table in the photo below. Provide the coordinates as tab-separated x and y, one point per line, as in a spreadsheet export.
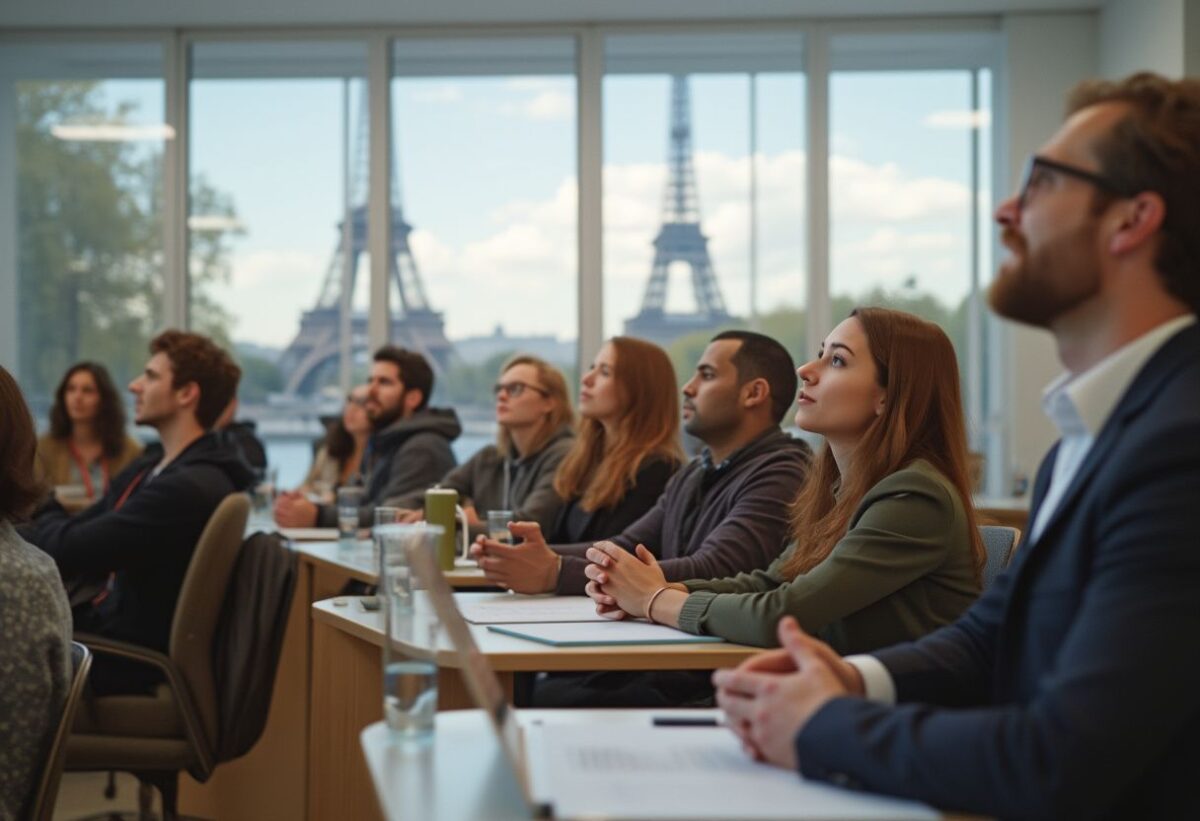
621	583
529	566
293	510
770	697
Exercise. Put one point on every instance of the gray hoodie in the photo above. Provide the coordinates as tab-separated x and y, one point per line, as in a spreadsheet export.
408	455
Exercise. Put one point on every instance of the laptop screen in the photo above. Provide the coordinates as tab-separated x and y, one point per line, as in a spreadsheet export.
480	679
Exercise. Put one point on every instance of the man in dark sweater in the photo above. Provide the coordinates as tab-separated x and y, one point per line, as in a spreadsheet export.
136	543
723	513
409	449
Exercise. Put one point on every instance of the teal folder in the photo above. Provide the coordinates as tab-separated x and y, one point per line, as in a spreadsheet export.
597	634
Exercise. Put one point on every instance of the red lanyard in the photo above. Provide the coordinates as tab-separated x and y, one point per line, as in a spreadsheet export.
137	480
85	472
111	581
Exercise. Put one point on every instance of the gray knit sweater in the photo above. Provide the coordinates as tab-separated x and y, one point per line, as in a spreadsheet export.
35	665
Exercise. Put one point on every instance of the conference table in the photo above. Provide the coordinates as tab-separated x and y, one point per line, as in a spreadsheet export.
263	784
347	687
461	773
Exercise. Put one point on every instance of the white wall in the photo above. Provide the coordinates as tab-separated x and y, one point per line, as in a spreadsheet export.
1138	35
1046	55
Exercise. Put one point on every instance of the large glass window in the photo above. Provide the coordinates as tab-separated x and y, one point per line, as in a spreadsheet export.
910	186
81	250
483	191
704	188
277	218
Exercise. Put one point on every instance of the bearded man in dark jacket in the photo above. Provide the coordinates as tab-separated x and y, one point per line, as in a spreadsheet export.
409	448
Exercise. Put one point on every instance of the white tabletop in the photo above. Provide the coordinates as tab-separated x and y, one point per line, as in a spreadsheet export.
461	773
512	654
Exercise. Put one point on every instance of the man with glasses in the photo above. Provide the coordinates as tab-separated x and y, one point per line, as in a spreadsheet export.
533	433
409	447
1072	688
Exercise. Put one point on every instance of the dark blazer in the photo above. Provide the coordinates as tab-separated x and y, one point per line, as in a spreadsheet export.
1075	679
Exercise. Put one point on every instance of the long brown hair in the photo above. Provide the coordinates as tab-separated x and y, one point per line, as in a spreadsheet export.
599	472
110	413
20	489
555	387
922	419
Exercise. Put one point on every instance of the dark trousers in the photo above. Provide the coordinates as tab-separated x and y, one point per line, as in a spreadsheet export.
625	688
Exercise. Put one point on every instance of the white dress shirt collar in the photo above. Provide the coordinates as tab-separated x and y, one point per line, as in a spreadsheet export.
1081	403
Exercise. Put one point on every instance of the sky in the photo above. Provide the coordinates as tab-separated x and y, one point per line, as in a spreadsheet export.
487	173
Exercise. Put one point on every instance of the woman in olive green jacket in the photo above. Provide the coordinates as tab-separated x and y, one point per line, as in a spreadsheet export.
885	546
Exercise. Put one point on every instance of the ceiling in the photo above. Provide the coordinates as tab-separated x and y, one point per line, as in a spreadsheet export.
277	13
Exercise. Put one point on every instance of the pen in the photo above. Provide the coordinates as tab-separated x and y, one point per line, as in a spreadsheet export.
685	721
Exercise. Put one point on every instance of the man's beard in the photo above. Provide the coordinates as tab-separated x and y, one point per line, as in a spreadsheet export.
1037	288
387	416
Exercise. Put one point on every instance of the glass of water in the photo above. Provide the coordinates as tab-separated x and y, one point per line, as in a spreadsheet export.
264	496
383	516
497	526
349	499
409	666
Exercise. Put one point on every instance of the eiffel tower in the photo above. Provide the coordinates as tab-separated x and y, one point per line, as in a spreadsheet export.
311	360
680	240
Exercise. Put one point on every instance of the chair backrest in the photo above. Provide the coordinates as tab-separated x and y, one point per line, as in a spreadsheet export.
47	790
200	602
999	544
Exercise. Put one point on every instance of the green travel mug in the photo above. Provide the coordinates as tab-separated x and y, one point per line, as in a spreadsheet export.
440	504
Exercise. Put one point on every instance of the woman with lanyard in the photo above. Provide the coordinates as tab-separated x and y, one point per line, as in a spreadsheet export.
87	444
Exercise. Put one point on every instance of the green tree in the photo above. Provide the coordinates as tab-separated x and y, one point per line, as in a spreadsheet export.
90	254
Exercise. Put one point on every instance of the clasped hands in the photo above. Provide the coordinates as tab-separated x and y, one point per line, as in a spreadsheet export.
769	697
622	584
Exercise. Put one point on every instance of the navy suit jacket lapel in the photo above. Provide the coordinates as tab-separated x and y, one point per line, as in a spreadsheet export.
1137	396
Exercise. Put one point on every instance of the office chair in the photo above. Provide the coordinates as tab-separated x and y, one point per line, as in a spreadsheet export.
154	736
999	544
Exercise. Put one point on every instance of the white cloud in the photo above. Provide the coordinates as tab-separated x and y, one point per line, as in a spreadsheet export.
544	106
447	93
860	191
958	119
267	292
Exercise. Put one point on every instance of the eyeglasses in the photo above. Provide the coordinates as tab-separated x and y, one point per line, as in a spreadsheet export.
1035	177
515	389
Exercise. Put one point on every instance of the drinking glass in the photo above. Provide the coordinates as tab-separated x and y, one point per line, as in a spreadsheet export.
349	499
383	516
497	526
409	678
263	497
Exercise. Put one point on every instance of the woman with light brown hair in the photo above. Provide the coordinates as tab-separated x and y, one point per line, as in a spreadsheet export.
627	444
885	544
533	434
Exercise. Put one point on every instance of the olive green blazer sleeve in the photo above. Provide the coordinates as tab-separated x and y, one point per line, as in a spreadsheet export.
756	581
904	528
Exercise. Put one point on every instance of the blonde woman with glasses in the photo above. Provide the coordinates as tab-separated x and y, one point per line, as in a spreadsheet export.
534	432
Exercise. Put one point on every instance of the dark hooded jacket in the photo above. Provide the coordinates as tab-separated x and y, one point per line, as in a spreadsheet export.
147	543
714	521
409	454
